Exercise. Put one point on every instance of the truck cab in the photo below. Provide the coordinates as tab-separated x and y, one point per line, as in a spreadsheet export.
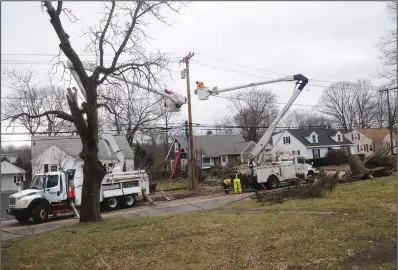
303	168
46	195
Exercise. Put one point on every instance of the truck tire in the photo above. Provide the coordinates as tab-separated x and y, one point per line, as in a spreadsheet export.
272	182
310	174
22	218
112	203
127	201
40	213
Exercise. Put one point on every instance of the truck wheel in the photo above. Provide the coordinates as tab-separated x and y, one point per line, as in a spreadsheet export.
112	203
128	201
272	182
23	218
310	174
40	213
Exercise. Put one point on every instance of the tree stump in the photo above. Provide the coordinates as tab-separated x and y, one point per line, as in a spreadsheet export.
358	169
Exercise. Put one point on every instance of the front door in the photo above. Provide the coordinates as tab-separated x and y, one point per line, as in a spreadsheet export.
52	191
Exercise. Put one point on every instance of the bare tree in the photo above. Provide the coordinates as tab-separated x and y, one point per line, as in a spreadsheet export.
388	48
365	103
224	126
338	101
129	110
299	118
121	30
31	98
255	109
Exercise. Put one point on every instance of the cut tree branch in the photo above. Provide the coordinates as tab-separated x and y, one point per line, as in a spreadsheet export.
58	114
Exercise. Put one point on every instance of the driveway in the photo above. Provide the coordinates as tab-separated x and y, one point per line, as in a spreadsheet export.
12	229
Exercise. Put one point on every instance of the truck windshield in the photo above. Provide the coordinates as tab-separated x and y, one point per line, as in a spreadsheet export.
38	182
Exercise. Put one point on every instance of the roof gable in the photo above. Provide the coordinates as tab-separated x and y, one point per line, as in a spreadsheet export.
9	168
377	134
72	145
324	136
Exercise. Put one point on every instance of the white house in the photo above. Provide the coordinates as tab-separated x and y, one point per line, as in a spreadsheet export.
10	156
12	177
52	153
310	143
369	140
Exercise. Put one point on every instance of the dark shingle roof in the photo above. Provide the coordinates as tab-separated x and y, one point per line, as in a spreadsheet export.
324	136
216	145
73	146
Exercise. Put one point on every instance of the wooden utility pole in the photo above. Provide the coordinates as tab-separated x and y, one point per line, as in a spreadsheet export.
193	180
389	117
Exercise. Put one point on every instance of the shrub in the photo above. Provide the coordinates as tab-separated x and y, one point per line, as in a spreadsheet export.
304	189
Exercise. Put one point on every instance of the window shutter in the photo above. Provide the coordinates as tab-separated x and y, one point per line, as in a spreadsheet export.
352	137
357	148
15	178
359	136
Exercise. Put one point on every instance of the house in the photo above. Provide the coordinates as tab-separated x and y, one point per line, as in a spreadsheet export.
52	153
211	150
12	177
369	140
310	143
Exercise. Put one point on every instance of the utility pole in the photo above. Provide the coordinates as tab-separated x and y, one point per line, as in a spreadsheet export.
193	179
389	117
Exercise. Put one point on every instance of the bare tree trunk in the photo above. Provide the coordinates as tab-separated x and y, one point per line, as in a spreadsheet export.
357	167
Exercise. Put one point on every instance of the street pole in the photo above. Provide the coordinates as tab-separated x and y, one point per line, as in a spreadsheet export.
389	117
190	133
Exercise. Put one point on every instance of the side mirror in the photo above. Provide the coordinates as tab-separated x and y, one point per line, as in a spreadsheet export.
47	189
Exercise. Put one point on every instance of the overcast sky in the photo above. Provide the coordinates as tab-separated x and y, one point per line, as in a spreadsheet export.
234	43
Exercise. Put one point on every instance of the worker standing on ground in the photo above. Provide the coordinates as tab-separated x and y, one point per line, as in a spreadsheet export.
237	185
226	184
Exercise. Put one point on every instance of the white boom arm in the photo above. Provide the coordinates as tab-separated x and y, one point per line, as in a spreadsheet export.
204	93
173	103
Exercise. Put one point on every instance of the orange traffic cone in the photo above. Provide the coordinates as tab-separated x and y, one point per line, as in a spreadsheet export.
70	192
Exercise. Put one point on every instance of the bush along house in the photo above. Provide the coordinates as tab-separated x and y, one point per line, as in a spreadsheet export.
211	151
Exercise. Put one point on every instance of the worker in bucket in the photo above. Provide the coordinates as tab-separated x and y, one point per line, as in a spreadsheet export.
237	185
226	183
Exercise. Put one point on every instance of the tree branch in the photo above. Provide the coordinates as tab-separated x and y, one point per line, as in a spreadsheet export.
101	41
58	114
59	8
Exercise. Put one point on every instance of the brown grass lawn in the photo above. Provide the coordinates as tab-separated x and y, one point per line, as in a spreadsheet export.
360	233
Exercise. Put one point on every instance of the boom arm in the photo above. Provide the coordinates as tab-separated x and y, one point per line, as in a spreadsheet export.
204	93
173	103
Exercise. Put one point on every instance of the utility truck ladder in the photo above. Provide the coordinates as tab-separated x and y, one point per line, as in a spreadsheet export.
175	164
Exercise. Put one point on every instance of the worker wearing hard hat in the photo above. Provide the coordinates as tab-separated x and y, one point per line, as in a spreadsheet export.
237	185
226	183
200	85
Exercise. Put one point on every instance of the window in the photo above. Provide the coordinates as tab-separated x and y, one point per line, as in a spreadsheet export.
316	153
301	160
361	148
366	148
172	163
338	137
206	160
286	140
314	138
370	147
296	153
52	181
224	159
176	148
53	168
45	167
183	164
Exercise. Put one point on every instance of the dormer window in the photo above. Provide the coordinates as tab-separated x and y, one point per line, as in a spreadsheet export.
314	138
338	137
286	140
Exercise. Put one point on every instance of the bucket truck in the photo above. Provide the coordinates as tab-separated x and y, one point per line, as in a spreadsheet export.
52	193
268	173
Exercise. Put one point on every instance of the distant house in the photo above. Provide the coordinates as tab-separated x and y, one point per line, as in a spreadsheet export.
367	141
10	156
211	150
52	153
310	143
12	177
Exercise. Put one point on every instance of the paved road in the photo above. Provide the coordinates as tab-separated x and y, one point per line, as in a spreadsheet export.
13	229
